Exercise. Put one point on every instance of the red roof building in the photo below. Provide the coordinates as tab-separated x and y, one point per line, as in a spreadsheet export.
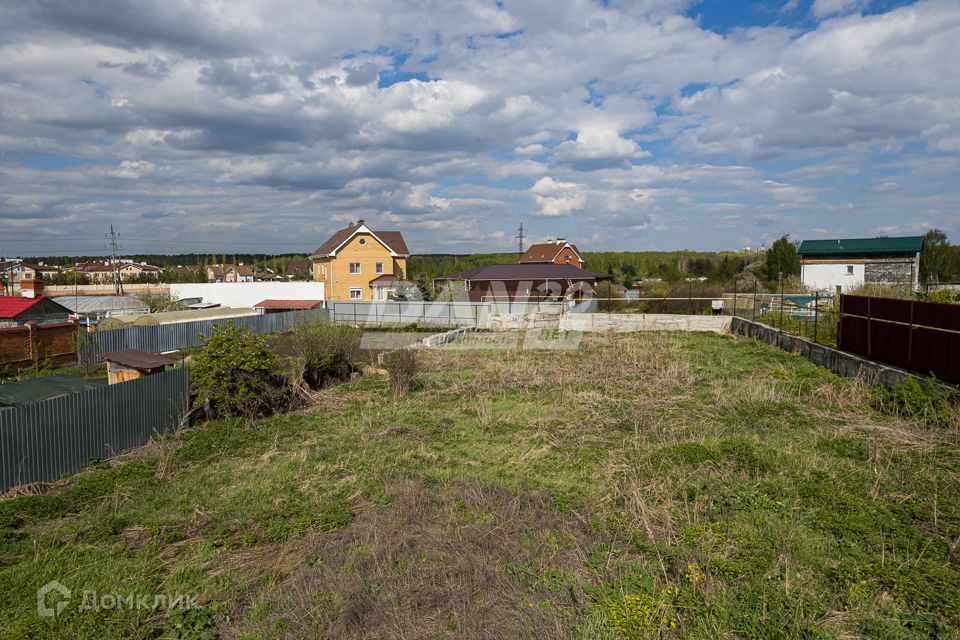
18	310
554	251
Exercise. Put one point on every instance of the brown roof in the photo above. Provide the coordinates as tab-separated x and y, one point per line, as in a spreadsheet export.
137	359
547	252
528	271
393	240
389	279
298	266
92	267
288	304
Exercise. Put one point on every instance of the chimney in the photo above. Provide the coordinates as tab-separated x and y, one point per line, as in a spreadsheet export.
561	240
31	288
360	221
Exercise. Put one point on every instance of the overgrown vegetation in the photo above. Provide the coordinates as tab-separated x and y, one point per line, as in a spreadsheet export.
235	375
643	486
401	364
929	402
323	352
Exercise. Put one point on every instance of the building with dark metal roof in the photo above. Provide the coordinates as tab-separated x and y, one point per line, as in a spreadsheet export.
853	262
530	281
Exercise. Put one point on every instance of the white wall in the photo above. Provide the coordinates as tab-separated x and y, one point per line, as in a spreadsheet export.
828	276
247	294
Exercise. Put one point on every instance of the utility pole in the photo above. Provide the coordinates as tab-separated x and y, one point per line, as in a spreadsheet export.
112	238
520	237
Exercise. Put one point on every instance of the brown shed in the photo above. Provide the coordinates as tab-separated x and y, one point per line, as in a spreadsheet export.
130	364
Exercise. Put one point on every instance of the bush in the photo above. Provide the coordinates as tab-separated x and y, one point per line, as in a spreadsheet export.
325	352
401	364
927	403
944	296
234	375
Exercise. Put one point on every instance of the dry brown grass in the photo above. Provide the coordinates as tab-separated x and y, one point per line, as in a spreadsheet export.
459	562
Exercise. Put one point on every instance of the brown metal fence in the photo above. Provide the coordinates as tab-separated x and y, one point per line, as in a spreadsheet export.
914	335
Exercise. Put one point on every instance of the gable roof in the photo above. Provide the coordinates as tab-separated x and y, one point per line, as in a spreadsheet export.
137	359
528	271
861	246
13	306
392	240
24	392
547	252
288	304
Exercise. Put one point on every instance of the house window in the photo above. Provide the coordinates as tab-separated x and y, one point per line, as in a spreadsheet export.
379	267
354	268
356	294
363	241
849	269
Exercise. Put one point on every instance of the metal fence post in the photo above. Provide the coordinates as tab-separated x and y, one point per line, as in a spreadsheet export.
816	314
756	284
780	277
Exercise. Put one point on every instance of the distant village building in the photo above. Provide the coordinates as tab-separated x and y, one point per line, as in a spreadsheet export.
13	272
519	282
97	272
237	273
854	262
354	262
557	251
299	269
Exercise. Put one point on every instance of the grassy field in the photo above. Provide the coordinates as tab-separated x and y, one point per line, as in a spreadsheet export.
642	486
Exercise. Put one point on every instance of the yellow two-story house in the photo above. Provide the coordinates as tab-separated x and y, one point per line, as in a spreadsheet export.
359	264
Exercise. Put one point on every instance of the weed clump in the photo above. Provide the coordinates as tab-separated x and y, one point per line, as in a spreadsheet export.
927	403
401	364
641	615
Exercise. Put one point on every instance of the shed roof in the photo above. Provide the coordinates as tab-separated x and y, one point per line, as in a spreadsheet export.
95	304
288	304
861	246
137	359
526	271
18	394
12	306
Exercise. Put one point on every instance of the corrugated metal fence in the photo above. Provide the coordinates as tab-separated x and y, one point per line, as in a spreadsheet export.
180	335
42	441
449	314
918	336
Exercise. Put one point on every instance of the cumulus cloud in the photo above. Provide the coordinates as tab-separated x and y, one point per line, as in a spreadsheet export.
268	122
557	198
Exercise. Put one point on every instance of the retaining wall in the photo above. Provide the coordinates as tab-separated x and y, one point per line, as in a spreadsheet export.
841	363
628	322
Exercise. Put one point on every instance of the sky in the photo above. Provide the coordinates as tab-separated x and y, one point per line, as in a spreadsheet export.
265	125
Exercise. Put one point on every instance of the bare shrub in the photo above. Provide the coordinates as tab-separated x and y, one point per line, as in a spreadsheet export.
401	364
324	352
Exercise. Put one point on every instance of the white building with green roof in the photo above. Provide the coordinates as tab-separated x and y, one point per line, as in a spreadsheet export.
853	262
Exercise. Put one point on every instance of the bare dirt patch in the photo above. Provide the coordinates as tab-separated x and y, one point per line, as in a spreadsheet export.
458	562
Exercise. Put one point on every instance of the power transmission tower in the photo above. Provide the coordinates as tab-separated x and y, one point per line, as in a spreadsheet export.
112	241
520	237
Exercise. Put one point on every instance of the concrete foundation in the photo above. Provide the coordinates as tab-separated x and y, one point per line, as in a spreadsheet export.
629	322
841	363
